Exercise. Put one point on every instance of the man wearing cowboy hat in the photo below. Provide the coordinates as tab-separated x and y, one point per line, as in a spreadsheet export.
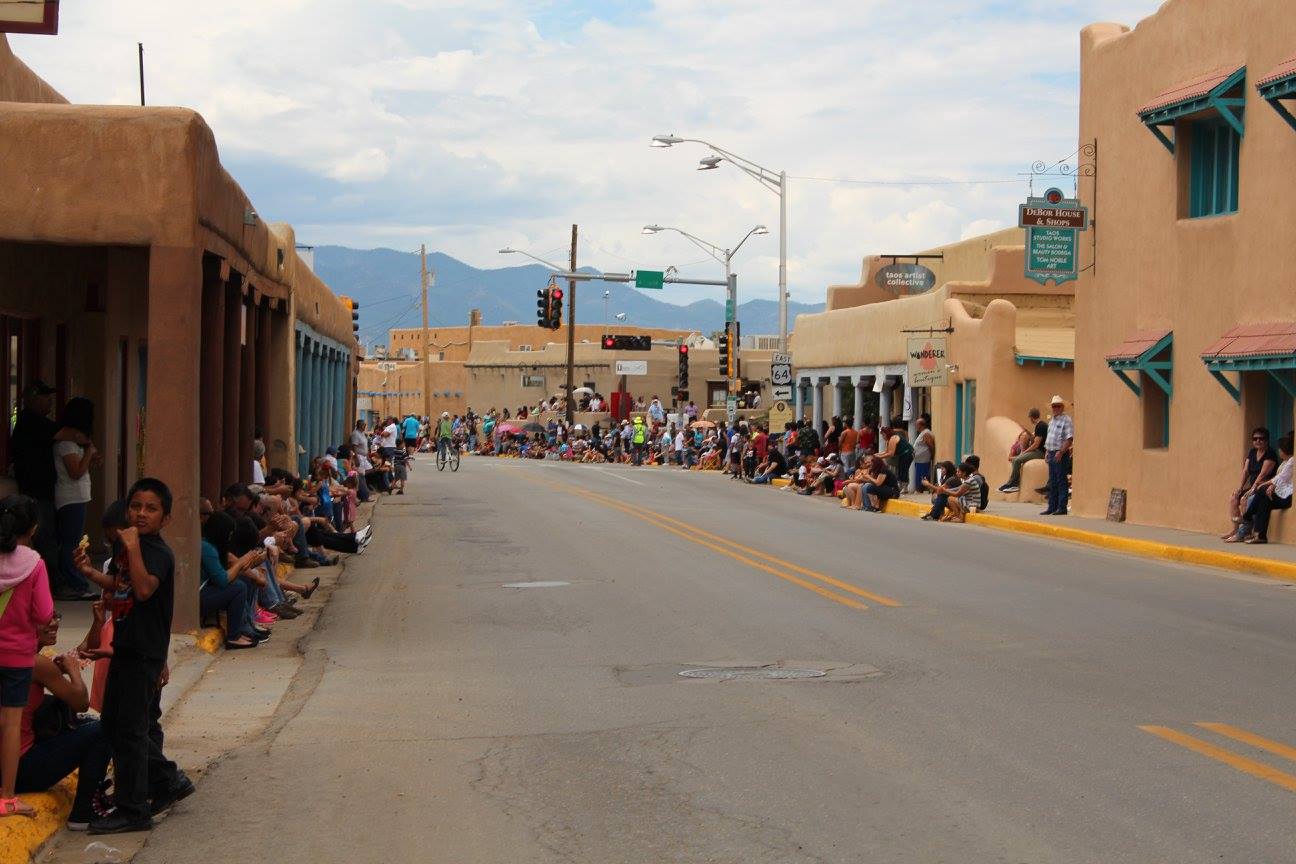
1057	452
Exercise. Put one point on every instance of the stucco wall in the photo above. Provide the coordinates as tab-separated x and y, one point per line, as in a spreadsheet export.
965	260
1196	276
18	83
455	342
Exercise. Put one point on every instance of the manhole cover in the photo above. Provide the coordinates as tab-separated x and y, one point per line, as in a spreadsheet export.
535	584
741	673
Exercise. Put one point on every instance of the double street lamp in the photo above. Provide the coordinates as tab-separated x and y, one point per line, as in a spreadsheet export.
775	182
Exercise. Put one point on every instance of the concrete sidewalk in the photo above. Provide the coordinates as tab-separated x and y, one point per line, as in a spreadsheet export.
1272	560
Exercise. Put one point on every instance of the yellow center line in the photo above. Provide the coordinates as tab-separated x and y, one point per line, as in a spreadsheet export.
1234	760
836	583
1281	749
802	583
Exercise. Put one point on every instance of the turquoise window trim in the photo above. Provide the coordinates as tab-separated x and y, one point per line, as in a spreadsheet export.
1214	169
1276	91
1023	359
1230	109
1271	364
1234	390
1146	363
958	416
1280	399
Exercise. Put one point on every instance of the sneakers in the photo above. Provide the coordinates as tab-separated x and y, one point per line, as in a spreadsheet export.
183	789
264	617
364	535
1009	488
119	824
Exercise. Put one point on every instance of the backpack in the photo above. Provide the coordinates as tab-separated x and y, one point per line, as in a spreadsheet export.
985	492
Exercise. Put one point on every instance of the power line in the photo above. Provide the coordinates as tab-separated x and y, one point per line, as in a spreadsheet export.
903	182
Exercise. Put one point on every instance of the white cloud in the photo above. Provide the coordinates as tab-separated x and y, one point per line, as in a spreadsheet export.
471	125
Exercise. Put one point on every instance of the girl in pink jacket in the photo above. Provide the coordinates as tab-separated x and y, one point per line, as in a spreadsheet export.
25	607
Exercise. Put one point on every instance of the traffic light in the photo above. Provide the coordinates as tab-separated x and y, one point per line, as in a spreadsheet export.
683	367
542	307
624	342
555	308
355	316
726	357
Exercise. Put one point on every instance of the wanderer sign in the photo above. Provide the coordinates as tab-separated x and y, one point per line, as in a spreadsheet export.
928	361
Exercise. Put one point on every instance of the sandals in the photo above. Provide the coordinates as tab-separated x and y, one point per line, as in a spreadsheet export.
306	595
16	807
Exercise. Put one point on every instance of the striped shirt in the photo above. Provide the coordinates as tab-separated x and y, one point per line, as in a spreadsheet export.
970	492
1061	430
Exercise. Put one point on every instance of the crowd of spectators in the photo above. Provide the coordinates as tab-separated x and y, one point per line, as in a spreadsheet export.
266	529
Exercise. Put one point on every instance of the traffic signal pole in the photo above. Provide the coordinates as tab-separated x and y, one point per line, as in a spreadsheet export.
427	343
571	335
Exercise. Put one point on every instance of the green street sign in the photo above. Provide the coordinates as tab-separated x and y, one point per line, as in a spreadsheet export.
1051	254
729	311
650	279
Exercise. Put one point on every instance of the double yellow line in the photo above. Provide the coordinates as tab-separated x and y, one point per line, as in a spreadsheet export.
1236	761
737	551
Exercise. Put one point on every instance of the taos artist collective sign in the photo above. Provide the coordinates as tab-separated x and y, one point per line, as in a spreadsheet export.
905	279
928	361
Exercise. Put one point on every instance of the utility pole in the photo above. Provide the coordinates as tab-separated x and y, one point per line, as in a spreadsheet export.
571	336
141	65
427	345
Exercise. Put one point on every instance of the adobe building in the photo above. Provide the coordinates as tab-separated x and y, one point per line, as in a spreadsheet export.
1009	344
505	366
135	271
1187	324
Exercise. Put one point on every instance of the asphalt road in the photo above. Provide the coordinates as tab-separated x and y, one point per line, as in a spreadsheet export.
986	697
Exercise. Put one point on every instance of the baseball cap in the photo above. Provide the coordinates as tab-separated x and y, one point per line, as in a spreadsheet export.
38	388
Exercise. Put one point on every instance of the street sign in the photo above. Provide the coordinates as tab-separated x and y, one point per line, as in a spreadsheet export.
780	415
1030	216
632	367
781	392
927	361
650	279
729	311
1051	254
905	279
731	408
781	370
387	367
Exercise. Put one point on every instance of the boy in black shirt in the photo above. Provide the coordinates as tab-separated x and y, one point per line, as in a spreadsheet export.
141	607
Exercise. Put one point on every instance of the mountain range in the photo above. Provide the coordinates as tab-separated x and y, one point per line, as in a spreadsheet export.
384	282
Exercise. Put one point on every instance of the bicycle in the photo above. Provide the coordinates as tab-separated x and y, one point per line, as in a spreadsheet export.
448	454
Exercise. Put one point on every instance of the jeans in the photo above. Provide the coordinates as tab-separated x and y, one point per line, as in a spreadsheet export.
939	501
47	542
71	524
232	600
883	493
362	488
130	691
1014	479
333	541
1259	510
49	761
1059	467
848	462
922	471
443	447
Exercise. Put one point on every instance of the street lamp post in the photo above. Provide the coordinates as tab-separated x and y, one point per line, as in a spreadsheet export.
775	182
725	257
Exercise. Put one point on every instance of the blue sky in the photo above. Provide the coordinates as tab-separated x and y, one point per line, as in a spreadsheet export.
475	124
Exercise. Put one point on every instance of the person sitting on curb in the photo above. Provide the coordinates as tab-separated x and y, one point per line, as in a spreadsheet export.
825	483
1032	448
947	484
852	491
1272	494
1258	465
775	465
881	486
54	742
968	497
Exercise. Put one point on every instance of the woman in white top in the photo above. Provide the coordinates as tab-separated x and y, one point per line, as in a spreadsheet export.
1273	494
74	454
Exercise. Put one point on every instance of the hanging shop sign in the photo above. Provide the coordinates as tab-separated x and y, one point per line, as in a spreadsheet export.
928	361
632	367
905	279
1052	222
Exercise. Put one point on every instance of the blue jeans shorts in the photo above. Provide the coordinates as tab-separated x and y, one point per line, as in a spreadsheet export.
14	683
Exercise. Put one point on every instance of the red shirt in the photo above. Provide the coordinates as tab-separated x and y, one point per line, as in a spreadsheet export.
760	443
866	438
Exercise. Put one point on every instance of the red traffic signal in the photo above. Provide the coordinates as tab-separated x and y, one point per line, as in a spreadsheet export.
609	342
683	349
557	293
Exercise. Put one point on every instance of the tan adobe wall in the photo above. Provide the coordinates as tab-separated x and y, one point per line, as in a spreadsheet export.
966	260
18	83
1196	276
455	342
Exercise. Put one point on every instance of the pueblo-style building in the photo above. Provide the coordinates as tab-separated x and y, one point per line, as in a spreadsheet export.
135	271
1186	322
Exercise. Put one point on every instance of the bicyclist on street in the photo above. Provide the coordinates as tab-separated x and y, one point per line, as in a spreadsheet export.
445	429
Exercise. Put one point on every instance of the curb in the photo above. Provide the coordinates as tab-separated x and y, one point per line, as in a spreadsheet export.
1281	570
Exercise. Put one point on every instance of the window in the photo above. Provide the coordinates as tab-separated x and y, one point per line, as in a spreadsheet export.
1213	168
1280	408
1148	355
1156	413
964	419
